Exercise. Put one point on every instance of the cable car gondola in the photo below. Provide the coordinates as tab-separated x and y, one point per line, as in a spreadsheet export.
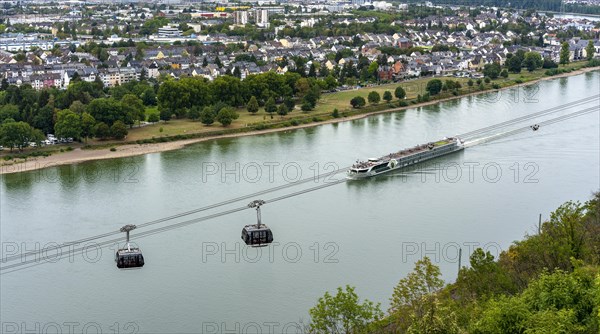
257	235
129	257
535	127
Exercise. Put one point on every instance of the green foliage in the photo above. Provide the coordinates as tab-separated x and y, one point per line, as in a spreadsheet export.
133	109
118	130
87	125
343	313
101	130
549	63
374	97
434	86
533	61
590	50
153	117
514	63
565	54
252	105
415	305
282	110
106	110
9	111
165	114
68	125
207	116
335	113
387	96
18	134
270	106
358	102
399	93
226	116
492	70
194	113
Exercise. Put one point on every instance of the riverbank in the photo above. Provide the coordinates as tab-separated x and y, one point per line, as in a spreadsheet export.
79	155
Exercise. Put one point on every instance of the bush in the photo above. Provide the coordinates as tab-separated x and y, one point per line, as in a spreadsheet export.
496	86
112	149
294	122
487	80
69	149
335	113
403	104
306	107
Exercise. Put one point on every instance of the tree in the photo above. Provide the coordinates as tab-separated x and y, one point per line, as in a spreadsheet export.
470	83
118	130
533	61
358	102
590	50
414	301
194	113
343	313
165	114
434	86
565	54
282	110
207	116
504	74
252	105
9	111
18	134
514	64
374	97
149	97
133	107
289	103
270	106
399	93
549	63
387	96
106	110
68	125
492	70
101	130
226	116
87	125
153	117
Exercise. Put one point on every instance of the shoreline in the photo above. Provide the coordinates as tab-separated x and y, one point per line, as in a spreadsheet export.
79	155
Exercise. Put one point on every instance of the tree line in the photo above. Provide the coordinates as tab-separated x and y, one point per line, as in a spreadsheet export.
548	282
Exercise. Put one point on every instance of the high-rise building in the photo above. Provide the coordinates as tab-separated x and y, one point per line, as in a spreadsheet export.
262	18
240	17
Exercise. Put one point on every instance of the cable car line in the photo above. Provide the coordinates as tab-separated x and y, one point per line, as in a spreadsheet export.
45	259
37	261
528	117
190	212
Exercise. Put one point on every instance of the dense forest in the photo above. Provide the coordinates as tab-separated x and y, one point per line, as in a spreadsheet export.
549	282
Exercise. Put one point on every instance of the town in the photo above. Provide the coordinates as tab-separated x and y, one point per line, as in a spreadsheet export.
47	45
97	68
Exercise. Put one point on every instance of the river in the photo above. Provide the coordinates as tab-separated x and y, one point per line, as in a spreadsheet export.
368	234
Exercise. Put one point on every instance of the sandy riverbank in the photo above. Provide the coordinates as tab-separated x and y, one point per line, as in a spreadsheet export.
127	150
